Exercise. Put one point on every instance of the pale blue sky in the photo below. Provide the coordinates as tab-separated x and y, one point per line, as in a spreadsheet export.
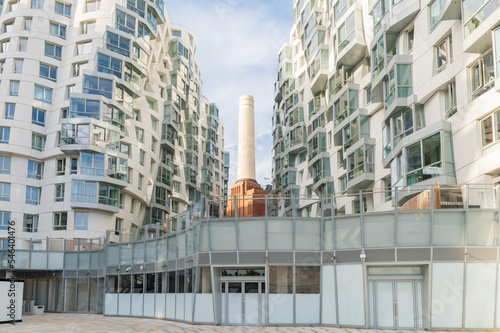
237	48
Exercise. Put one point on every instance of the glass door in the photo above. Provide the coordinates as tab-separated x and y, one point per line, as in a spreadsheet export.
385	304
243	302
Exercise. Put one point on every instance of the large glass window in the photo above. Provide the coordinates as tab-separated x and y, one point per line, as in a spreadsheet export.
4	192
48	72
125	22
280	279
43	94
435	13
424	159
4	134
85	108
10	110
33	195
490	129
379	11
60	220
307	279
53	50
63	9
137	6
118	44
474	12
346	32
360	162
83	191
75	134
109	195
81	220
30	223
4	220
345	105
58	30
38	117
482	75
107	64
97	86
35	170
92	164
5	165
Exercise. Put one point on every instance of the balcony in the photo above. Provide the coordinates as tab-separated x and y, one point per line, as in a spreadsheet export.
318	72
361	171
383	51
86	134
451	10
402	14
168	138
398	85
351	46
339	80
478	25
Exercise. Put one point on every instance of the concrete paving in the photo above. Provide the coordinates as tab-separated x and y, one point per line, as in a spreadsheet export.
86	323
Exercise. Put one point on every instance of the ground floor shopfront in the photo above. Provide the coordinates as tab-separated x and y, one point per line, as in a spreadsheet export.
288	288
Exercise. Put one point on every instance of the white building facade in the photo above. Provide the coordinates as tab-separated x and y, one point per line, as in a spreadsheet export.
103	123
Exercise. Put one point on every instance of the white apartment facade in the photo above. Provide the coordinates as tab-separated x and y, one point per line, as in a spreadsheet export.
103	123
373	95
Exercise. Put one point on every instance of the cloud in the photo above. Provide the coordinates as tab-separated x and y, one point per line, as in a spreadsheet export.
237	46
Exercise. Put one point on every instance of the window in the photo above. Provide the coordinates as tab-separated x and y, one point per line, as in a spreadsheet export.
63	9
435	13
37	4
23	44
92	164
5	165
60	167
424	159
18	65
81	221
33	195
53	50
118	44
48	72
97	86
4	220
139	132
125	22
141	156
83	48
107	64
368	94
60	220
35	170
58	30
43	94
60	192
37	142
409	37
10	110
77	68
4	134
132	206
83	191
87	27
13	5
92	5
140	182
4	45
137	6
27	23
345	33
482	75
85	108
444	53
4	192
30	223
474	12
360	162
379	11
490	129
74	166
14	88
450	100
37	117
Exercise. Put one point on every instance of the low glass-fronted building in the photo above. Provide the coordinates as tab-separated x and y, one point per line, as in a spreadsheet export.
435	267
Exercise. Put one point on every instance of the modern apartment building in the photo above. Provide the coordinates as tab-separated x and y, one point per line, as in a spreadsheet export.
373	95
103	123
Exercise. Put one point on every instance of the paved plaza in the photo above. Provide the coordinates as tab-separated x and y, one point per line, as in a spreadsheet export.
86	323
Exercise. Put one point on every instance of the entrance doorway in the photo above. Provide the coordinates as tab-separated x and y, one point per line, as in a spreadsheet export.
395	303
243	302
